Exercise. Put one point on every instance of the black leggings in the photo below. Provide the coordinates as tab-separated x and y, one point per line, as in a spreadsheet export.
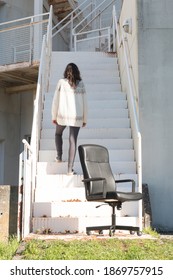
73	134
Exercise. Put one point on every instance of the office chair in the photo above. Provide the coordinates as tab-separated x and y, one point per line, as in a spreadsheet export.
100	185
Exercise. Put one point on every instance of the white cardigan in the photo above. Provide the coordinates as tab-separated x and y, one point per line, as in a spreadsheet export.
69	106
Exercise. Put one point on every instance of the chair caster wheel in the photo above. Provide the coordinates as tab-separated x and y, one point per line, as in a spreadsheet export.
139	233
111	232
88	232
100	231
132	232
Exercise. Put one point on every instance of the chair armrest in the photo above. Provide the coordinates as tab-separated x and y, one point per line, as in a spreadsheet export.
93	179
88	190
127	181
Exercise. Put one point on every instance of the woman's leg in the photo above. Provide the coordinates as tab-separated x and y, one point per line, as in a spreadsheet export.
59	141
72	146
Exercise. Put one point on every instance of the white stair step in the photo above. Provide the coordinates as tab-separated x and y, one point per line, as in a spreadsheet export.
60	194
99	113
103	104
93	87
111	144
81	209
87	73
99	80
59	58
95	95
84	68
74	224
103	87
63	194
115	155
87	133
99	123
59	181
91	79
63	188
61	168
72	209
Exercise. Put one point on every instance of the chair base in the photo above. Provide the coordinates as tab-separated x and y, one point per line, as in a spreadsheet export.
113	228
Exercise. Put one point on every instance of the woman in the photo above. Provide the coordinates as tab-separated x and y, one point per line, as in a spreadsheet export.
69	108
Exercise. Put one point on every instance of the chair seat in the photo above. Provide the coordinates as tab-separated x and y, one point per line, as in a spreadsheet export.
124	196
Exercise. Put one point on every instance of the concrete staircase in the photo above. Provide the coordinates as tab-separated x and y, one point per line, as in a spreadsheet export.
60	204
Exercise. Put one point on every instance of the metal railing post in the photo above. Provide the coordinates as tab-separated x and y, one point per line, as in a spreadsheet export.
75	42
71	33
109	39
113	29
31	41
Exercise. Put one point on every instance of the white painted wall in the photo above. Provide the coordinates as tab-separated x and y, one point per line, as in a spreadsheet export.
156	99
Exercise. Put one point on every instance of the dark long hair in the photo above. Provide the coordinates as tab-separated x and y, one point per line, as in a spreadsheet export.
72	74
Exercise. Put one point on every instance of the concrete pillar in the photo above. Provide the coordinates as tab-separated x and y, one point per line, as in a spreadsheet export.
38	9
8	211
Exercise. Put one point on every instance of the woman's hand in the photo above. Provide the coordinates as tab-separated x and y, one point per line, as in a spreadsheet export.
54	121
84	124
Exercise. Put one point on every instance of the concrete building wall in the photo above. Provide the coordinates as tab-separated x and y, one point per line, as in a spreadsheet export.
150	52
129	11
156	99
12	10
8	211
15	124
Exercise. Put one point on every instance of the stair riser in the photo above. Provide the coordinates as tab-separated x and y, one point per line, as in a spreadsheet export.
101	104
93	87
58	194
111	144
99	123
87	133
94	96
93	80
81	209
55	182
96	113
110	74
61	58
61	168
115	155
73	225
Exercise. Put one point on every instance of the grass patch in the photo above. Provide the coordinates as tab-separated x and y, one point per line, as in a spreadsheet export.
93	249
8	248
110	249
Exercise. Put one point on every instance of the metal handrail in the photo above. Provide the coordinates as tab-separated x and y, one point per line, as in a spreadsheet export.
122	43
70	16
99	30
31	150
22	19
96	8
27	145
